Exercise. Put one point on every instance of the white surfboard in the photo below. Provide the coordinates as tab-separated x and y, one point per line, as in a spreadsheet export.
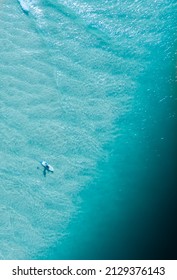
45	164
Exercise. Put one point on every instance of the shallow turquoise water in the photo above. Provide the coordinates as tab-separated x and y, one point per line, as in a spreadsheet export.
84	85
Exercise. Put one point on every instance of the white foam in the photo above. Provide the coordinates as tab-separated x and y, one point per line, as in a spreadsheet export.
24	5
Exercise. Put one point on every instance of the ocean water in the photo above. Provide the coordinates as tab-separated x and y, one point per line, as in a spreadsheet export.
88	86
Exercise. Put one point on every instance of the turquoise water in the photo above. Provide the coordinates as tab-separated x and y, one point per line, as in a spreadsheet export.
89	87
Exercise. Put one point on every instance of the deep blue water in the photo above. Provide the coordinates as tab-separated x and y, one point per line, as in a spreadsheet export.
88	86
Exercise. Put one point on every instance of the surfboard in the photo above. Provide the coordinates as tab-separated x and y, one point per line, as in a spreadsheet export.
50	168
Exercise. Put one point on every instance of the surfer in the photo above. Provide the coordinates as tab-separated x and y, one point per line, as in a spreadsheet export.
47	167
